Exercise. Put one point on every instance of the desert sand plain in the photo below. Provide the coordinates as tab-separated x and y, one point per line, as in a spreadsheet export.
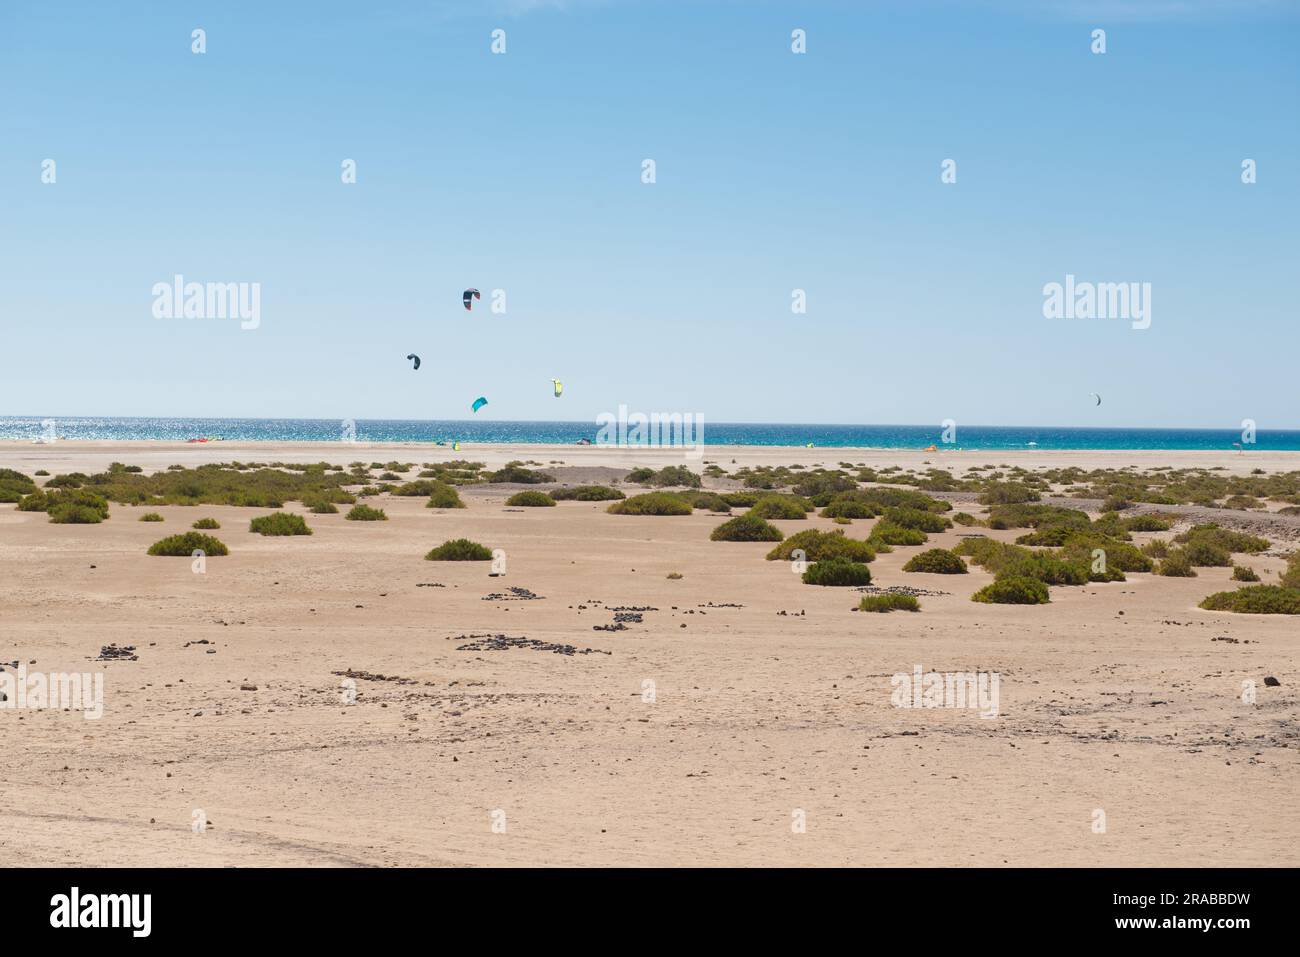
1113	697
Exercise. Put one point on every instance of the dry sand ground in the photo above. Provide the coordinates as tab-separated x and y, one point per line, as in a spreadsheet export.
1113	697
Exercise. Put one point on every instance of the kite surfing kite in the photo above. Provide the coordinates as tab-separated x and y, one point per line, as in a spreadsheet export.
558	386
1095	396
416	359
478	403
468	296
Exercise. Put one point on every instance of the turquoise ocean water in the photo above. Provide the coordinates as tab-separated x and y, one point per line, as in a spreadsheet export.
30	428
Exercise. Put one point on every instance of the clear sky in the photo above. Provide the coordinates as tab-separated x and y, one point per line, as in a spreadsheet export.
775	171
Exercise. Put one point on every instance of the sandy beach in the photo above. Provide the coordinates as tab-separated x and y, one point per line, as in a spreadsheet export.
742	704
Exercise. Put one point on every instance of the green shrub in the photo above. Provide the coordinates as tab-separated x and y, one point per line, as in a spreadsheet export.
1120	555
705	501
1046	568
966	519
516	473
847	506
1203	553
818	546
1256	600
746	528
674	475
936	561
1242	573
415	488
73	514
531	499
1013	591
1156	548
1147	523
1176	564
75	507
837	572
651	503
206	523
918	519
1291	577
780	507
151	517
364	513
279	523
1223	538
14	485
889	602
322	507
888	533
1007	493
741	499
587	493
823	486
1033	515
460	550
442	495
184	545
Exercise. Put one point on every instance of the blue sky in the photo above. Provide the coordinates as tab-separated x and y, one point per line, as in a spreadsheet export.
775	171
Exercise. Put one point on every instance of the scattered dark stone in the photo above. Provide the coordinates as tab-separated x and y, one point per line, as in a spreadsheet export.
503	642
371	676
515	594
430	585
618	626
1271	682
114	653
725	604
901	590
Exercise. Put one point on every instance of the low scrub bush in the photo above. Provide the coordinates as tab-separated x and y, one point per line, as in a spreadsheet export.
459	550
1176	564
151	517
1256	600
587	493
888	533
916	518
936	561
1013	591
889	602
746	528
185	545
364	513
442	495
837	572
1242	573
1223	538
531	500
516	473
780	506
670	475
818	546
279	523
14	485
651	503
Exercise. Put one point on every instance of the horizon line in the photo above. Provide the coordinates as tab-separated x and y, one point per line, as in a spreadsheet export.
719	422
